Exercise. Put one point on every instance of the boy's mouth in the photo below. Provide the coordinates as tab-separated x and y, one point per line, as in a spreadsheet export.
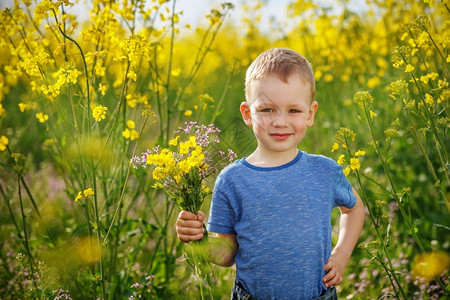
280	136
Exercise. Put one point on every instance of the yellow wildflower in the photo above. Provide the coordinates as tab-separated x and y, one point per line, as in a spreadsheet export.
42	117
424	79
132	75
174	141
3	142
184	166
429	99
131	124
88	192
130	134
78	197
346	171
99	112
372	114
360	153
160	173
409	68
354	163
188	113
334	147
341	159
430	265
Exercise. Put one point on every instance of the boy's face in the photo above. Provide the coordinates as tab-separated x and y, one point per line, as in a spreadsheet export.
279	113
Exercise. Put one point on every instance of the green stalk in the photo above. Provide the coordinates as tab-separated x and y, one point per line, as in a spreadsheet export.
26	241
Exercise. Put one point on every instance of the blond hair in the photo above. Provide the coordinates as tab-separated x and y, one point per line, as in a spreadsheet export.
281	62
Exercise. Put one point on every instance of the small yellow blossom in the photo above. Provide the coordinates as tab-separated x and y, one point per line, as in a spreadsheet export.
341	159
42	117
346	171
429	99
354	163
430	265
176	72
88	192
188	113
130	134
334	147
131	124
78	197
409	68
424	79
99	112
372	114
3	142
132	75
174	141
360	153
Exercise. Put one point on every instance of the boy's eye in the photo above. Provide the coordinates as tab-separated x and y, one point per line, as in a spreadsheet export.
267	110
293	110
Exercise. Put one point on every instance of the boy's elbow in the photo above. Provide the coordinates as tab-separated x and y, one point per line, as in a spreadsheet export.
223	249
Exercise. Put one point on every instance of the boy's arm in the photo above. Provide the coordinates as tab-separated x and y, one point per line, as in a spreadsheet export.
352	221
222	246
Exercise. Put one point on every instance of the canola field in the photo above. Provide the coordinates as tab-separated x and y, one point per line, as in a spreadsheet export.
93	110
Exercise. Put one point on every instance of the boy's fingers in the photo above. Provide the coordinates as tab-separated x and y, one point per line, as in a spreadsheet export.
328	265
201	216
185	215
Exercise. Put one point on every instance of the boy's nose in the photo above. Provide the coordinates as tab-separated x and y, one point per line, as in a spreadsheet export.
279	119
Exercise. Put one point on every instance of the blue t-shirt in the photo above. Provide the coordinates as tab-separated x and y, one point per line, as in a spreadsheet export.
281	218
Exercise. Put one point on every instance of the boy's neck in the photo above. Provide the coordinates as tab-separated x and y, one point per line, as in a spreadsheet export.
261	158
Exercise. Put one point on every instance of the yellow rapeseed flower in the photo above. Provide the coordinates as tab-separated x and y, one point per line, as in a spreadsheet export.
88	192
372	114
346	171
334	147
174	141
42	117
99	112
78	197
341	159
188	113
184	166
430	265
3	142
160	173
409	68
360	153
354	163
131	124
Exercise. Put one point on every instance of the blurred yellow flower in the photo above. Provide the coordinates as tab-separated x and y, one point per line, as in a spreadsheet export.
42	117
409	68
131	124
174	141
334	147
346	171
78	197
430	265
99	112
360	153
354	164
88	251
188	113
372	114
3	142
341	159
88	192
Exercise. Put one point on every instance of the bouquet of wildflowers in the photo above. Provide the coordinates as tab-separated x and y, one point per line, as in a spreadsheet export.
182	168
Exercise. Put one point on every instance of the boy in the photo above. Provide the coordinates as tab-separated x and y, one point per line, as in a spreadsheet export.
274	207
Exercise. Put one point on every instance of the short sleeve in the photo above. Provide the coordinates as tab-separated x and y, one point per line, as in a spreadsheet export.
221	214
343	191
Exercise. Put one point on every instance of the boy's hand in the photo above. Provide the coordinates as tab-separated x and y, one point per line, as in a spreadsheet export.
335	268
190	226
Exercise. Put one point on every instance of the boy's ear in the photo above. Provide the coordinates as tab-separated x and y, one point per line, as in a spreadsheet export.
312	113
246	114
